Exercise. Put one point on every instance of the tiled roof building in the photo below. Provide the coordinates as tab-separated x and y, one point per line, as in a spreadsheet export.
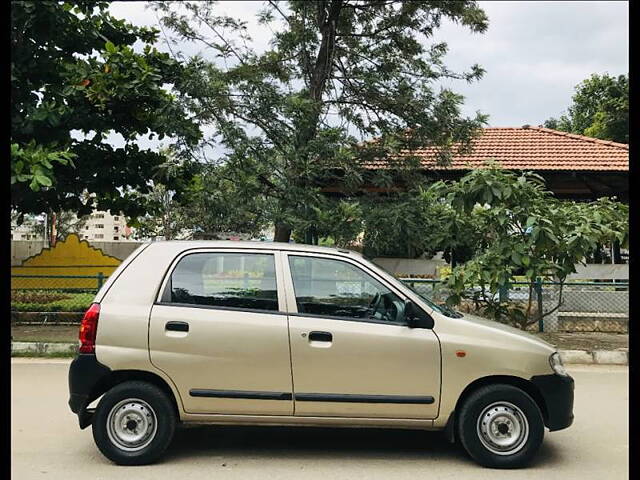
538	148
574	166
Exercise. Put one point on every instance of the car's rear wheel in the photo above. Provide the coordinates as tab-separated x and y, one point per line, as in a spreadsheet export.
500	426
134	423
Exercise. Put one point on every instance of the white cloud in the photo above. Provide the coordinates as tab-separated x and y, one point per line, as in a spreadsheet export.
535	53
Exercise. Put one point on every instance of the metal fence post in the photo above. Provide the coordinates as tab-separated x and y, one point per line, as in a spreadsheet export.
503	294
100	280
538	288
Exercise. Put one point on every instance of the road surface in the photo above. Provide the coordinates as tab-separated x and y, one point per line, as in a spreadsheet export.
46	442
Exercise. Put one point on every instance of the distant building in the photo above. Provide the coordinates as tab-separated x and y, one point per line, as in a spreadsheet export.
99	227
26	231
104	227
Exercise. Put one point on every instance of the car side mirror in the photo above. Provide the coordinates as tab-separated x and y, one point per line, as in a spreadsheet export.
416	317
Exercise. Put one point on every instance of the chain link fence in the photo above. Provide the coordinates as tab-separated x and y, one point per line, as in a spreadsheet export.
52	299
584	306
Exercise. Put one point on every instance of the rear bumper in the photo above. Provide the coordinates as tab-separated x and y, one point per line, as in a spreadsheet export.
86	376
557	391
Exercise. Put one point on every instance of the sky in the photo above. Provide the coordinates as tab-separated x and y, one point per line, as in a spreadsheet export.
534	52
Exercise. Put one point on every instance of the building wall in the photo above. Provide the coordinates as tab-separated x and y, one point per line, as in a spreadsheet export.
407	266
591	271
72	263
23	249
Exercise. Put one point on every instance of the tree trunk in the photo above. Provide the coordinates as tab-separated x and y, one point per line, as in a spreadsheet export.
597	254
54	230
617	256
282	233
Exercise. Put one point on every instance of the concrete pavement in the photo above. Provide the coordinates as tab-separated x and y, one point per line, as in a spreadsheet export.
47	443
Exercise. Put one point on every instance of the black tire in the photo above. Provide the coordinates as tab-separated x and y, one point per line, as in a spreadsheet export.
161	435
498	397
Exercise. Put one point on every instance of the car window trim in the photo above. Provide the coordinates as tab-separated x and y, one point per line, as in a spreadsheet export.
288	280
275	253
219	307
348	319
349	260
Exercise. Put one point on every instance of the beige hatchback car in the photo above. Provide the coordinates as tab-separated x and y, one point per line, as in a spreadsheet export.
248	333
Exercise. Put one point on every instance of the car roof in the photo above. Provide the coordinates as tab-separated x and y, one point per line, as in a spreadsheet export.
296	247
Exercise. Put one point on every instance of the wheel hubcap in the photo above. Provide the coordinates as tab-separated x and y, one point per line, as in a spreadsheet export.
503	428
131	424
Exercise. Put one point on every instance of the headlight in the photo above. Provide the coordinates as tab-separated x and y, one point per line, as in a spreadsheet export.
556	364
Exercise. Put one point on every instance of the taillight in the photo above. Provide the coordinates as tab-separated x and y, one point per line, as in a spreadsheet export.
89	329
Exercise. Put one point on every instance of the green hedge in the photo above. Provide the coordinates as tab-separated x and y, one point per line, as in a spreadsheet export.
51	302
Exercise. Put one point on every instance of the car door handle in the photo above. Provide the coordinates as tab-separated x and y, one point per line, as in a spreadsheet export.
177	326
320	336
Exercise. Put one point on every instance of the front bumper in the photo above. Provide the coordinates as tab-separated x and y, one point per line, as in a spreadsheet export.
87	376
557	392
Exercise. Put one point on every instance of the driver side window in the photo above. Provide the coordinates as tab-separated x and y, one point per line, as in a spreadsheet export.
335	288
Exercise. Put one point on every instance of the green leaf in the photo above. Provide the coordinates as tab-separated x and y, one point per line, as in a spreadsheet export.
43	180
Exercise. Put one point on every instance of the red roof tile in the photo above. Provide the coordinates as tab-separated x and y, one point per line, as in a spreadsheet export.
534	148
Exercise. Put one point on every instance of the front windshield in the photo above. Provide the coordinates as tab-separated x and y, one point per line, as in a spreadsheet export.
443	309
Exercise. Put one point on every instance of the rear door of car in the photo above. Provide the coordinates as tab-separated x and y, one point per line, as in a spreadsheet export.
219	330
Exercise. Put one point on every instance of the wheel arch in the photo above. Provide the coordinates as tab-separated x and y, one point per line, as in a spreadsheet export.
523	384
117	377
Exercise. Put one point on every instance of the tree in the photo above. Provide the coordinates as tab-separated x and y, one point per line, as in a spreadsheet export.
334	73
600	109
54	227
419	222
165	218
526	232
74	68
59	225
209	204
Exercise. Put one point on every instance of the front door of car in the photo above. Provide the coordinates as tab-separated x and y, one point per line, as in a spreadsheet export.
352	353
219	331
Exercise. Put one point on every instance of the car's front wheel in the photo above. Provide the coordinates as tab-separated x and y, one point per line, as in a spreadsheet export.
500	426
134	423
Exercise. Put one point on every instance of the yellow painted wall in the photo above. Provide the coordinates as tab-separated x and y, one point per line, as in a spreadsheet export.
70	257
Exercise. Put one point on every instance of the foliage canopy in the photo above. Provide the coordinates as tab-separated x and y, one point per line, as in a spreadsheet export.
291	116
525	231
74	68
600	109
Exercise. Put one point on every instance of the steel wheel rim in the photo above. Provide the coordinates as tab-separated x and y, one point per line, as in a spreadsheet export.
503	428
132	424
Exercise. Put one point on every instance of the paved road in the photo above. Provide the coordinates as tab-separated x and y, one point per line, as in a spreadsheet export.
46	442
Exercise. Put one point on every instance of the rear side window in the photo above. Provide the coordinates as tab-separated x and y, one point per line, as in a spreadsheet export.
232	280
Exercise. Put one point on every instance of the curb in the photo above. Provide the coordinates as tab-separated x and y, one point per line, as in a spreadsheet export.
42	348
578	357
597	357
